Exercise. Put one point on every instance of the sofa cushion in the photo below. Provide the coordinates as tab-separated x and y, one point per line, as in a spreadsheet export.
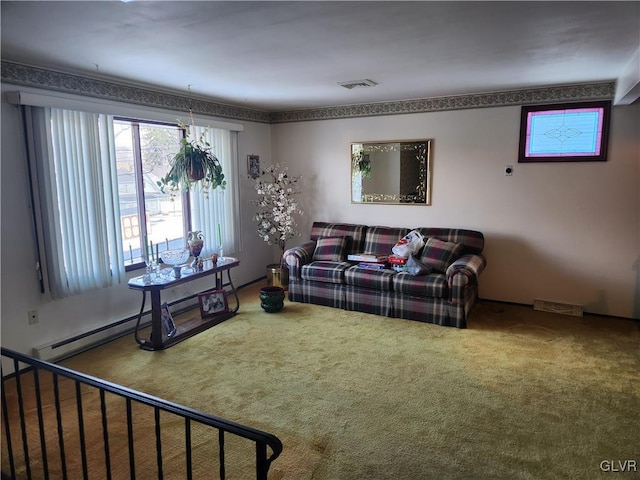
433	285
472	240
352	232
328	272
368	278
439	254
330	249
380	240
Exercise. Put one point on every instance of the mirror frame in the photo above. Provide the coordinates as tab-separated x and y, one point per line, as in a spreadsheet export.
359	160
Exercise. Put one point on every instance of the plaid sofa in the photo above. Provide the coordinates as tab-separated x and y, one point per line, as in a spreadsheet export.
319	273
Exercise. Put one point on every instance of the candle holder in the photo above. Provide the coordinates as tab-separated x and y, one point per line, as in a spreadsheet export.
151	271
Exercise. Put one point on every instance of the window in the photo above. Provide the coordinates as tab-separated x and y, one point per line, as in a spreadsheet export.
97	202
148	216
564	132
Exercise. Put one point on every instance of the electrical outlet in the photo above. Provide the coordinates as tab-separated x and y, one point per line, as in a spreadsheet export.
508	171
33	317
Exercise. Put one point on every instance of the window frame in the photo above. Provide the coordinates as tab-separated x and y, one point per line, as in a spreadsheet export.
602	136
139	177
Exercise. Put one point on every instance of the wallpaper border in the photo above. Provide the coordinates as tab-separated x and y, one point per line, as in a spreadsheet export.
37	77
536	96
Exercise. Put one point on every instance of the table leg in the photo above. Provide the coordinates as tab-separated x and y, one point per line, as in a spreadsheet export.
234	291
156	321
139	340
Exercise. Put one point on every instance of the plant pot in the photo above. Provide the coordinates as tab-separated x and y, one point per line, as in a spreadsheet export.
272	299
196	172
277	275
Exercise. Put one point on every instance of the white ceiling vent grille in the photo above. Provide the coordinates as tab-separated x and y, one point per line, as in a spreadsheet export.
556	307
357	84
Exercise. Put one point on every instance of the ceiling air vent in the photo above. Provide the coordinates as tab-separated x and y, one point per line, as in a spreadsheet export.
358	84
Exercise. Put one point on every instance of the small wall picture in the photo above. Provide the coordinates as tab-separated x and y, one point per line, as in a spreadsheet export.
168	325
253	166
213	303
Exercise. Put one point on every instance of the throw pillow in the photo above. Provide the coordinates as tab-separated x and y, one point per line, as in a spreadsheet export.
439	254
330	249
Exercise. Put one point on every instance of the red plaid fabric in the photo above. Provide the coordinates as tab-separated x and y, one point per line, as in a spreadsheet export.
469	265
432	285
330	249
380	240
439	254
318	293
435	310
373	279
473	241
328	272
353	233
359	299
298	256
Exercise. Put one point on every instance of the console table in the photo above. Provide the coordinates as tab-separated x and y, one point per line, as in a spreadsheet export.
165	281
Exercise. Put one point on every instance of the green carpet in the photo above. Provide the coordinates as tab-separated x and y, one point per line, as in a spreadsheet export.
518	395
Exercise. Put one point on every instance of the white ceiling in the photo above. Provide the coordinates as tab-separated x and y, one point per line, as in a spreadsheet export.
278	56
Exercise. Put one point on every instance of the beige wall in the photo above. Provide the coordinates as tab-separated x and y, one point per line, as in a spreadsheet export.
564	232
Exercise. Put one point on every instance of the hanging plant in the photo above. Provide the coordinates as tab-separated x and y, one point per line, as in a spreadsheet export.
362	163
194	164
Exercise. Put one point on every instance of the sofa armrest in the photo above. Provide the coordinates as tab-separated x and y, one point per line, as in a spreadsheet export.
298	256
464	271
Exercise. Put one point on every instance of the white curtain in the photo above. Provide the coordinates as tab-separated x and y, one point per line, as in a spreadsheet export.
217	216
74	156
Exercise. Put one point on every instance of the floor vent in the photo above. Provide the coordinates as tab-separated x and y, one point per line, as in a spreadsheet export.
556	307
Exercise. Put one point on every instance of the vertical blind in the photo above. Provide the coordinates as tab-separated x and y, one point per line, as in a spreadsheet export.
214	213
74	159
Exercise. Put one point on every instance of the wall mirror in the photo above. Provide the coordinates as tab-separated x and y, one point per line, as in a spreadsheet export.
391	172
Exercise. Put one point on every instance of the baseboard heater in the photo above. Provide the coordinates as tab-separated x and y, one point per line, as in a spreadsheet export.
86	341
94	338
558	307
62	349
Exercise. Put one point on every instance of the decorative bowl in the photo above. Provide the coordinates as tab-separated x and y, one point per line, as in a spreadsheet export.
175	257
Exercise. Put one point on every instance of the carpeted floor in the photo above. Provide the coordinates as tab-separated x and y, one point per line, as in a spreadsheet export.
518	395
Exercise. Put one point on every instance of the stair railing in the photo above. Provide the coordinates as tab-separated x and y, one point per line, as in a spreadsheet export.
22	457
